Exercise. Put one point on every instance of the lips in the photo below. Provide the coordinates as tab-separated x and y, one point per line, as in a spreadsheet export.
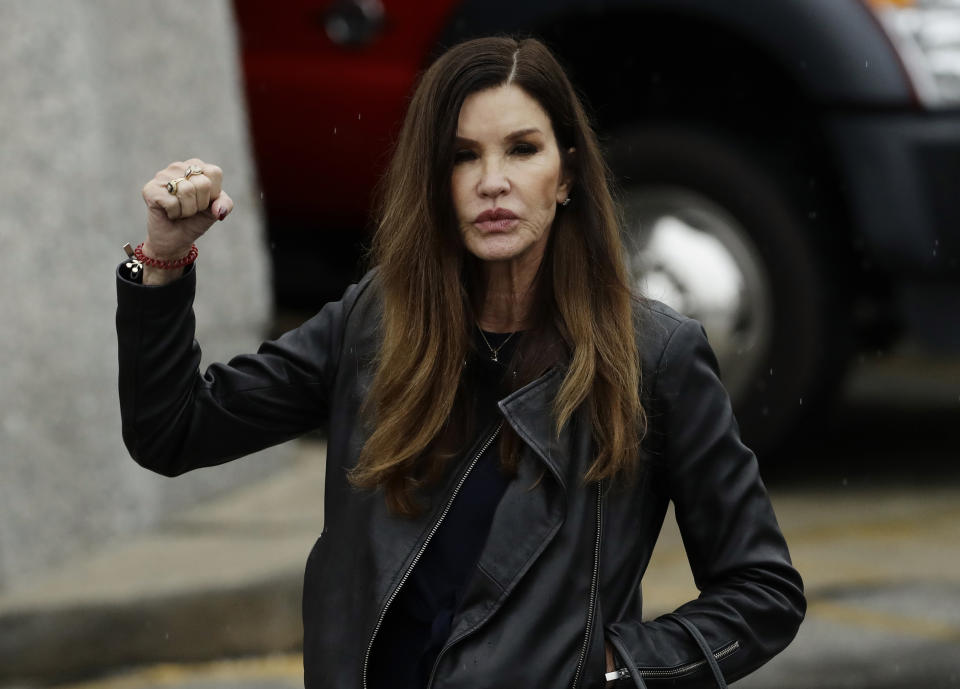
496	220
495	214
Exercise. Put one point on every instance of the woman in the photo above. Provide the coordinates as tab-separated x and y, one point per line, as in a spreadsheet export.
506	422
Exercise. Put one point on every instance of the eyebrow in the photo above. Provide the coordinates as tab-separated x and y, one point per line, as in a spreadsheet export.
512	136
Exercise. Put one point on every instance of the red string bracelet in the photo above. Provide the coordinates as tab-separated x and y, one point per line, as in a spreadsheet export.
166	265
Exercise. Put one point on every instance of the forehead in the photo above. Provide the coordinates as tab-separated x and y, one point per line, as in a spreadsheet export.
499	111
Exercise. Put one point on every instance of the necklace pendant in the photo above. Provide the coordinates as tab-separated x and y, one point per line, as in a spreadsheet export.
494	353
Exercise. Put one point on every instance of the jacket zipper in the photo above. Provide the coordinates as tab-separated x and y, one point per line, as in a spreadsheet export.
426	542
593	589
682	669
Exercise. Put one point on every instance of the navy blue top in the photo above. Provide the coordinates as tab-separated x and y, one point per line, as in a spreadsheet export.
419	620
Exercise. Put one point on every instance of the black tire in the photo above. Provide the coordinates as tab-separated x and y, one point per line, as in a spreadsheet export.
799	363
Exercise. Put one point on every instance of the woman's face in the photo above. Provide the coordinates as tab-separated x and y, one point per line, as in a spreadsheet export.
507	175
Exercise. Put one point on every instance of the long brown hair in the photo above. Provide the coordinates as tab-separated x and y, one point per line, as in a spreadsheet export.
583	297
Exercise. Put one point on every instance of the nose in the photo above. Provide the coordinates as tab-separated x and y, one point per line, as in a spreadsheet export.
493	182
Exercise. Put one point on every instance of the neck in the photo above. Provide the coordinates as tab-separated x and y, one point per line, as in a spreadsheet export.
509	291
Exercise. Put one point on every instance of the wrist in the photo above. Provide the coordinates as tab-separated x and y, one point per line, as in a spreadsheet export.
154	270
166	264
160	276
165	253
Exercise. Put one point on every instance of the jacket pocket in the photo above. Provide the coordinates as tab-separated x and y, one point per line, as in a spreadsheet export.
619	659
627	669
595	660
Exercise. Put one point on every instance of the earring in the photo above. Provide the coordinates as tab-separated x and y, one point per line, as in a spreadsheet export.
565	201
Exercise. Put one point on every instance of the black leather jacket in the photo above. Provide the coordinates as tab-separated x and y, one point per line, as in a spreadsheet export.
562	566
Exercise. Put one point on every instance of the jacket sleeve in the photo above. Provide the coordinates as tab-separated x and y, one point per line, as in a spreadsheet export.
751	601
176	419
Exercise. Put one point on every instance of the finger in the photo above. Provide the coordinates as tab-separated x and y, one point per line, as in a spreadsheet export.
187	193
202	185
215	175
209	169
222	206
155	195
212	172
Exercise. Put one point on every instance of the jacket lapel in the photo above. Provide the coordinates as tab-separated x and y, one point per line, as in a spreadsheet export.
532	509
529	411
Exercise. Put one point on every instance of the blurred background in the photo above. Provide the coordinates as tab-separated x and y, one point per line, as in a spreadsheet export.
788	174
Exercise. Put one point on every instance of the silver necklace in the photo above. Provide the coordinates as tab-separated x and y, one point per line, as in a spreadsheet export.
494	352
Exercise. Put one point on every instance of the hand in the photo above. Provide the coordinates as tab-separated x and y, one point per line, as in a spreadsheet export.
176	221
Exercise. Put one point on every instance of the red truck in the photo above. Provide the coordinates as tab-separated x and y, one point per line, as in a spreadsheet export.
788	169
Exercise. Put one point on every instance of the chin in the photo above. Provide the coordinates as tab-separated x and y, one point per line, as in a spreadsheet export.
498	248
496	253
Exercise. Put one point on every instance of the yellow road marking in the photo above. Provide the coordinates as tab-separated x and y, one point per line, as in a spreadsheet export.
884	528
918	525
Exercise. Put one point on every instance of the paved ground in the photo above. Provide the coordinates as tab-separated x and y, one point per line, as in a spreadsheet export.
871	510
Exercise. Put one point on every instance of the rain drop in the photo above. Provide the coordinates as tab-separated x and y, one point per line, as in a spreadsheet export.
358	116
844	482
334	131
866	64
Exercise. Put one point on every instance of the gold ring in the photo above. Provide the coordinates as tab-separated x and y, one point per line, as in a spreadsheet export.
173	184
193	170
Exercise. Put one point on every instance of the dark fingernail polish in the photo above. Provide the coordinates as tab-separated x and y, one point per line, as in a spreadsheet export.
223	214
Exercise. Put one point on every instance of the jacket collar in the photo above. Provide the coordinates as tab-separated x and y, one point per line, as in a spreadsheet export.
529	411
526	521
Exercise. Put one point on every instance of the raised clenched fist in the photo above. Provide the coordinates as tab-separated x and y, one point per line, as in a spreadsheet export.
183	201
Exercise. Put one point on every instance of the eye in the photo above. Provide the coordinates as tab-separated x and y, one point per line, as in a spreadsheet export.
463	155
524	149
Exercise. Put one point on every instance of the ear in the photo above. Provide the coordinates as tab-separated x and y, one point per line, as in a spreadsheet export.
566	182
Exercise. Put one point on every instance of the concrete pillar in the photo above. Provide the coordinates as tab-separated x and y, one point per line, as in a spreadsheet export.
96	96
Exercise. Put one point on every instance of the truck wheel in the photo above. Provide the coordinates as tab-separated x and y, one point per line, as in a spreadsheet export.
710	231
